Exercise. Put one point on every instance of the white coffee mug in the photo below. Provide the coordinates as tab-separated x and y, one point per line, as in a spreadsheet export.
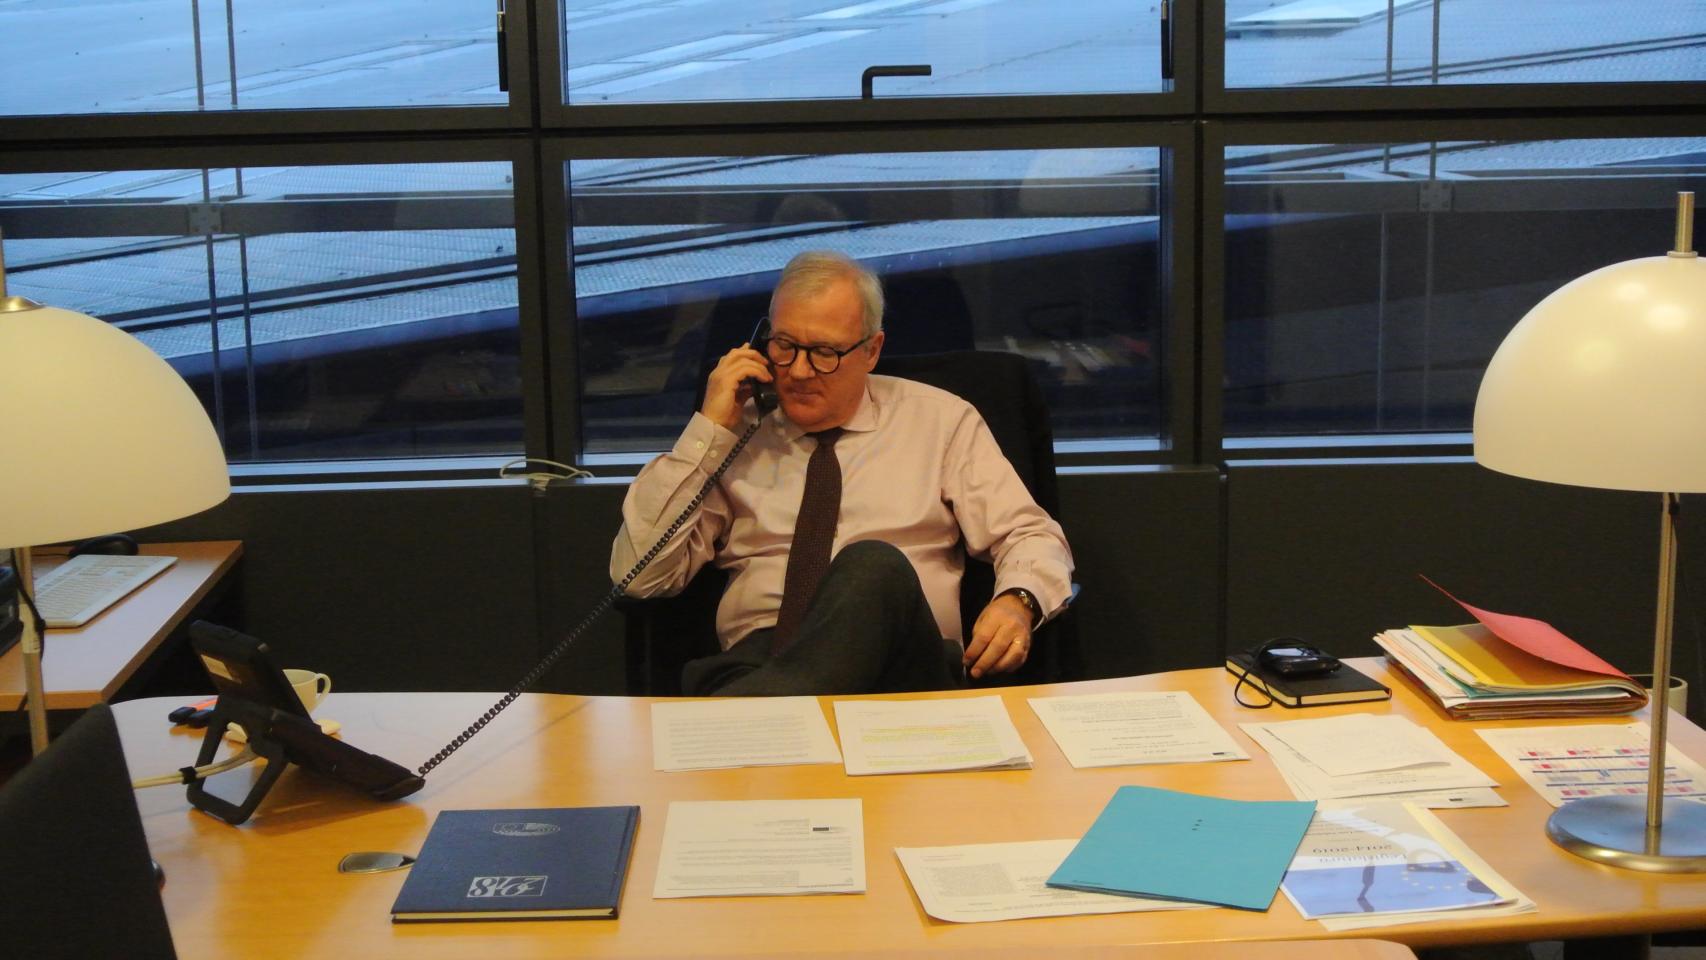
310	687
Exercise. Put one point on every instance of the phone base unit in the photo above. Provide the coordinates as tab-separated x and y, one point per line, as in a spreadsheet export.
254	694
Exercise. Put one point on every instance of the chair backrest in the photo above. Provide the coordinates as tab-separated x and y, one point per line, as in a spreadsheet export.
663	634
75	876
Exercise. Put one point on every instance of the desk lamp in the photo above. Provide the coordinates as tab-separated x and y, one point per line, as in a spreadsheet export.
100	435
1603	384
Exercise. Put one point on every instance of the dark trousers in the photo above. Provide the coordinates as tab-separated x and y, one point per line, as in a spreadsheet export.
869	629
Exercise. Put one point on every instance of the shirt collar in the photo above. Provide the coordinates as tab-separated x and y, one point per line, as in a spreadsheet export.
863	420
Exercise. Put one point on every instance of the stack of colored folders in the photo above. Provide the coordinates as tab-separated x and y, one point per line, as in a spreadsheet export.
1505	666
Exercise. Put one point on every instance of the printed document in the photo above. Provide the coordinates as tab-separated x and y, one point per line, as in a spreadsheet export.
1512	901
740	732
1005	881
1604	760
1309	782
1358	743
1378	856
1109	729
918	736
725	848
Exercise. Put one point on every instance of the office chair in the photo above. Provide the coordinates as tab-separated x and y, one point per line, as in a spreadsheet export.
661	634
77	880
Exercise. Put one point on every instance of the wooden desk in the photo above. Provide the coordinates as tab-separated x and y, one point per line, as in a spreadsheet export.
270	887
86	665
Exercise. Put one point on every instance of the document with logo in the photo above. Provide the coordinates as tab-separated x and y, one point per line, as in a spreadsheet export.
740	732
921	736
551	863
1110	729
726	848
1008	881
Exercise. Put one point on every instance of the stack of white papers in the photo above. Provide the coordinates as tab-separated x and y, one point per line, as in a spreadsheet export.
1008	881
1359	755
921	736
1109	729
1568	763
1381	862
726	848
740	732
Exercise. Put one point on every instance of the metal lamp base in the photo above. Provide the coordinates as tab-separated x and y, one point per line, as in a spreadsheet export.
1613	831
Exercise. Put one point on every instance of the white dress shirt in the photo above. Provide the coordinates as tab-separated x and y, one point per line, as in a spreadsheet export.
919	468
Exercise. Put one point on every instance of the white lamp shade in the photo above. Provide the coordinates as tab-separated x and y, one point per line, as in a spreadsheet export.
100	434
1603	383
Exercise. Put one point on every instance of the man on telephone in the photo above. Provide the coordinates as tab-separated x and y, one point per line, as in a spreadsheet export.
840	523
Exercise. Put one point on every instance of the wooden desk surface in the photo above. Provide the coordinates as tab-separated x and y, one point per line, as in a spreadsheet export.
270	887
85	665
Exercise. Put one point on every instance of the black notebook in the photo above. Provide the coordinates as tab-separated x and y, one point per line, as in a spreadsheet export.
553	863
1344	685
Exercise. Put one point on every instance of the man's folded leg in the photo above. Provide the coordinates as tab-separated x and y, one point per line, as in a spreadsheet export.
869	629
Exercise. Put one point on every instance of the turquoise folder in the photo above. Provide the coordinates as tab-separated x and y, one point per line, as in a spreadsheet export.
1181	846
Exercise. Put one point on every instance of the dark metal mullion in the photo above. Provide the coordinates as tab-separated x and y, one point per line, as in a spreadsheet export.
521	34
195	47
1429	260
248	305
213	321
191	126
536	275
1180	277
561	317
231	57
1210	284
1534	99
868	113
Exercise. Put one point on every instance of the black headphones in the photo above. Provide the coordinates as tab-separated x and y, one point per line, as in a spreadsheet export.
1284	658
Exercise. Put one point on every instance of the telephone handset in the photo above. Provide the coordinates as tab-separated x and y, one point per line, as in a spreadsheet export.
764	395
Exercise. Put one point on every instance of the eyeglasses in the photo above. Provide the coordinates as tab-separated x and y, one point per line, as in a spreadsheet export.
824	358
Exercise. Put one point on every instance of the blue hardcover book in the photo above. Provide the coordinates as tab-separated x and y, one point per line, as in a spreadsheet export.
553	863
1180	846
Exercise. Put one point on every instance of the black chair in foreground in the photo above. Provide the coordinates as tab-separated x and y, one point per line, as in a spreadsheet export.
76	880
662	634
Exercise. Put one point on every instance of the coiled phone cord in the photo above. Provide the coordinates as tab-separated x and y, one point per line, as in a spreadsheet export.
598	609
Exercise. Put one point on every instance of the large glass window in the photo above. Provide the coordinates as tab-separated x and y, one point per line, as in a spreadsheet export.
1052	254
320	312
147	56
1386	43
651	51
1367	285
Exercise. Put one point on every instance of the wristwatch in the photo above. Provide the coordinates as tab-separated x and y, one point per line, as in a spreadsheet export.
1030	602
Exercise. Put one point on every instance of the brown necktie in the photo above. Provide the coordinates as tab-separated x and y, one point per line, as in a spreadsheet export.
814	535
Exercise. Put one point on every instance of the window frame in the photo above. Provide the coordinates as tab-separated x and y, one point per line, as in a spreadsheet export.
1218	98
1218	135
27	129
517	154
1177	97
1177	144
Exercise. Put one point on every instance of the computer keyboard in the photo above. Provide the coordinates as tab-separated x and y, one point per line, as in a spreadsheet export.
77	590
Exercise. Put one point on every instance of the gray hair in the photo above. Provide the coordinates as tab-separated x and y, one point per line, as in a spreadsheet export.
813	271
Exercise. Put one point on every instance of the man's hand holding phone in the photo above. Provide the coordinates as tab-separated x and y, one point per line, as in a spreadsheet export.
728	389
